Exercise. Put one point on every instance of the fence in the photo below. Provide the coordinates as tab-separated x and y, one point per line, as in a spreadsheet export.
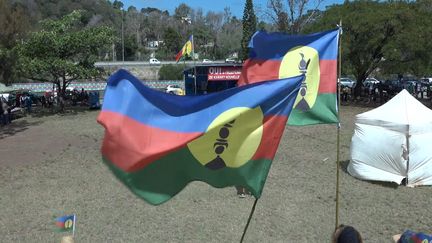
93	86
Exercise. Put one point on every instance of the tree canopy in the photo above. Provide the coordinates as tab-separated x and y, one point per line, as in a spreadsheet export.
63	50
249	28
391	37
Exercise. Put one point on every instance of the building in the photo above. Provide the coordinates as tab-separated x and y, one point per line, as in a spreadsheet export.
211	77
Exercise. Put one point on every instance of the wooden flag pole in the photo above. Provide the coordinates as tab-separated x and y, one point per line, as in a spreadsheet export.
338	128
249	219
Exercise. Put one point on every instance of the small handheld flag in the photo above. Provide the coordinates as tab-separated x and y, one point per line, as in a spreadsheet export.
66	223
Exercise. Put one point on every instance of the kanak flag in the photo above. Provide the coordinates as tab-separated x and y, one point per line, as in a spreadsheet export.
156	143
277	56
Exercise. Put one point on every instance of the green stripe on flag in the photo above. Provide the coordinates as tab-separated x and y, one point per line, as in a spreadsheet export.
164	178
324	111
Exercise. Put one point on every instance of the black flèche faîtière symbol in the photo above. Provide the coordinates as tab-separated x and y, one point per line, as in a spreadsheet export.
219	147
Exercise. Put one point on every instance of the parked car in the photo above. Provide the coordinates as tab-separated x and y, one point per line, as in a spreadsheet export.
230	60
154	61
426	80
207	61
174	89
369	81
347	82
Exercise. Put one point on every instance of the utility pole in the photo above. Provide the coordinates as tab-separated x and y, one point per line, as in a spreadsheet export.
122	36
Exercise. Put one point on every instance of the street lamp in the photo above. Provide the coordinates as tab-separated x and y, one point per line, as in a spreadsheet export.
188	22
122	34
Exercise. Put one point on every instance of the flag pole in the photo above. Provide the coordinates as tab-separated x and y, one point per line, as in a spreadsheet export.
193	57
249	219
338	127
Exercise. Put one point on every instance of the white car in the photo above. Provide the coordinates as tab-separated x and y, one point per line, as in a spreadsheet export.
426	80
174	89
230	60
347	82
154	61
207	61
370	81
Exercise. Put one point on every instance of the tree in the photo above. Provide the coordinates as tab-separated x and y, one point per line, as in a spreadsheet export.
171	72
229	37
292	16
182	11
172	40
63	51
118	4
13	26
410	52
249	28
378	33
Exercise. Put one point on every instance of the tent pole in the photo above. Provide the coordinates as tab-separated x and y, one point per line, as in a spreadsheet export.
338	127
407	135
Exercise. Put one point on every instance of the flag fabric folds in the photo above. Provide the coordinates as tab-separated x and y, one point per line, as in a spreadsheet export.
187	49
66	223
156	143
276	55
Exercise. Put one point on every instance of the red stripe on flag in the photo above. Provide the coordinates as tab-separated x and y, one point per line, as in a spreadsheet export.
254	71
328	75
264	70
179	55
131	145
272	133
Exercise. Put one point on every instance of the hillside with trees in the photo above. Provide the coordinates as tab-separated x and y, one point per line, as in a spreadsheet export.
388	37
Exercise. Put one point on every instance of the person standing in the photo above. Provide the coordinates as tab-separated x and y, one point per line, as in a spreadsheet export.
1	111
28	103
5	111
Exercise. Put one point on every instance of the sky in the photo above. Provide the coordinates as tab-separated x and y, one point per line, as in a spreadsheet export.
236	6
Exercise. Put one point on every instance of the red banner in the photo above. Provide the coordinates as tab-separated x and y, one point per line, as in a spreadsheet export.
223	73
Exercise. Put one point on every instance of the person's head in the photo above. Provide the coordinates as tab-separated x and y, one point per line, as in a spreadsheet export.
67	239
346	234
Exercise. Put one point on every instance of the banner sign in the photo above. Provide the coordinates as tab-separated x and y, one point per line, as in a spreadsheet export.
223	73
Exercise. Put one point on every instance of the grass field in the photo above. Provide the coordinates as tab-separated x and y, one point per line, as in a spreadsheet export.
51	166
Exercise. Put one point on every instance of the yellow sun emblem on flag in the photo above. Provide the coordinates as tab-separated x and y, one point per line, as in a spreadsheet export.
231	139
68	224
302	60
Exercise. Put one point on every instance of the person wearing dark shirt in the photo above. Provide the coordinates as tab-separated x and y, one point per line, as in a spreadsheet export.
346	234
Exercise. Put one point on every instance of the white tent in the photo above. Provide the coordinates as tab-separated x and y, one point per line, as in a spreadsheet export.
394	142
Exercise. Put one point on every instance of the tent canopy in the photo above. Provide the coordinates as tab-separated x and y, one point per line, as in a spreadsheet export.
394	142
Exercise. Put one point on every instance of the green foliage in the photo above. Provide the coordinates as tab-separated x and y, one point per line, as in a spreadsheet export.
390	36
171	40
171	72
63	50
14	23
249	28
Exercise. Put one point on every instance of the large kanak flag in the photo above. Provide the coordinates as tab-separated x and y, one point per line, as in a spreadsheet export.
156	143
276	56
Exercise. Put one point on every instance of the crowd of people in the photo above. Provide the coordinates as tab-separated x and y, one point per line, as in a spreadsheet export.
24	101
381	92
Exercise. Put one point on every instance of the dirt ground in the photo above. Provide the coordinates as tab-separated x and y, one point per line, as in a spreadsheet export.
51	165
